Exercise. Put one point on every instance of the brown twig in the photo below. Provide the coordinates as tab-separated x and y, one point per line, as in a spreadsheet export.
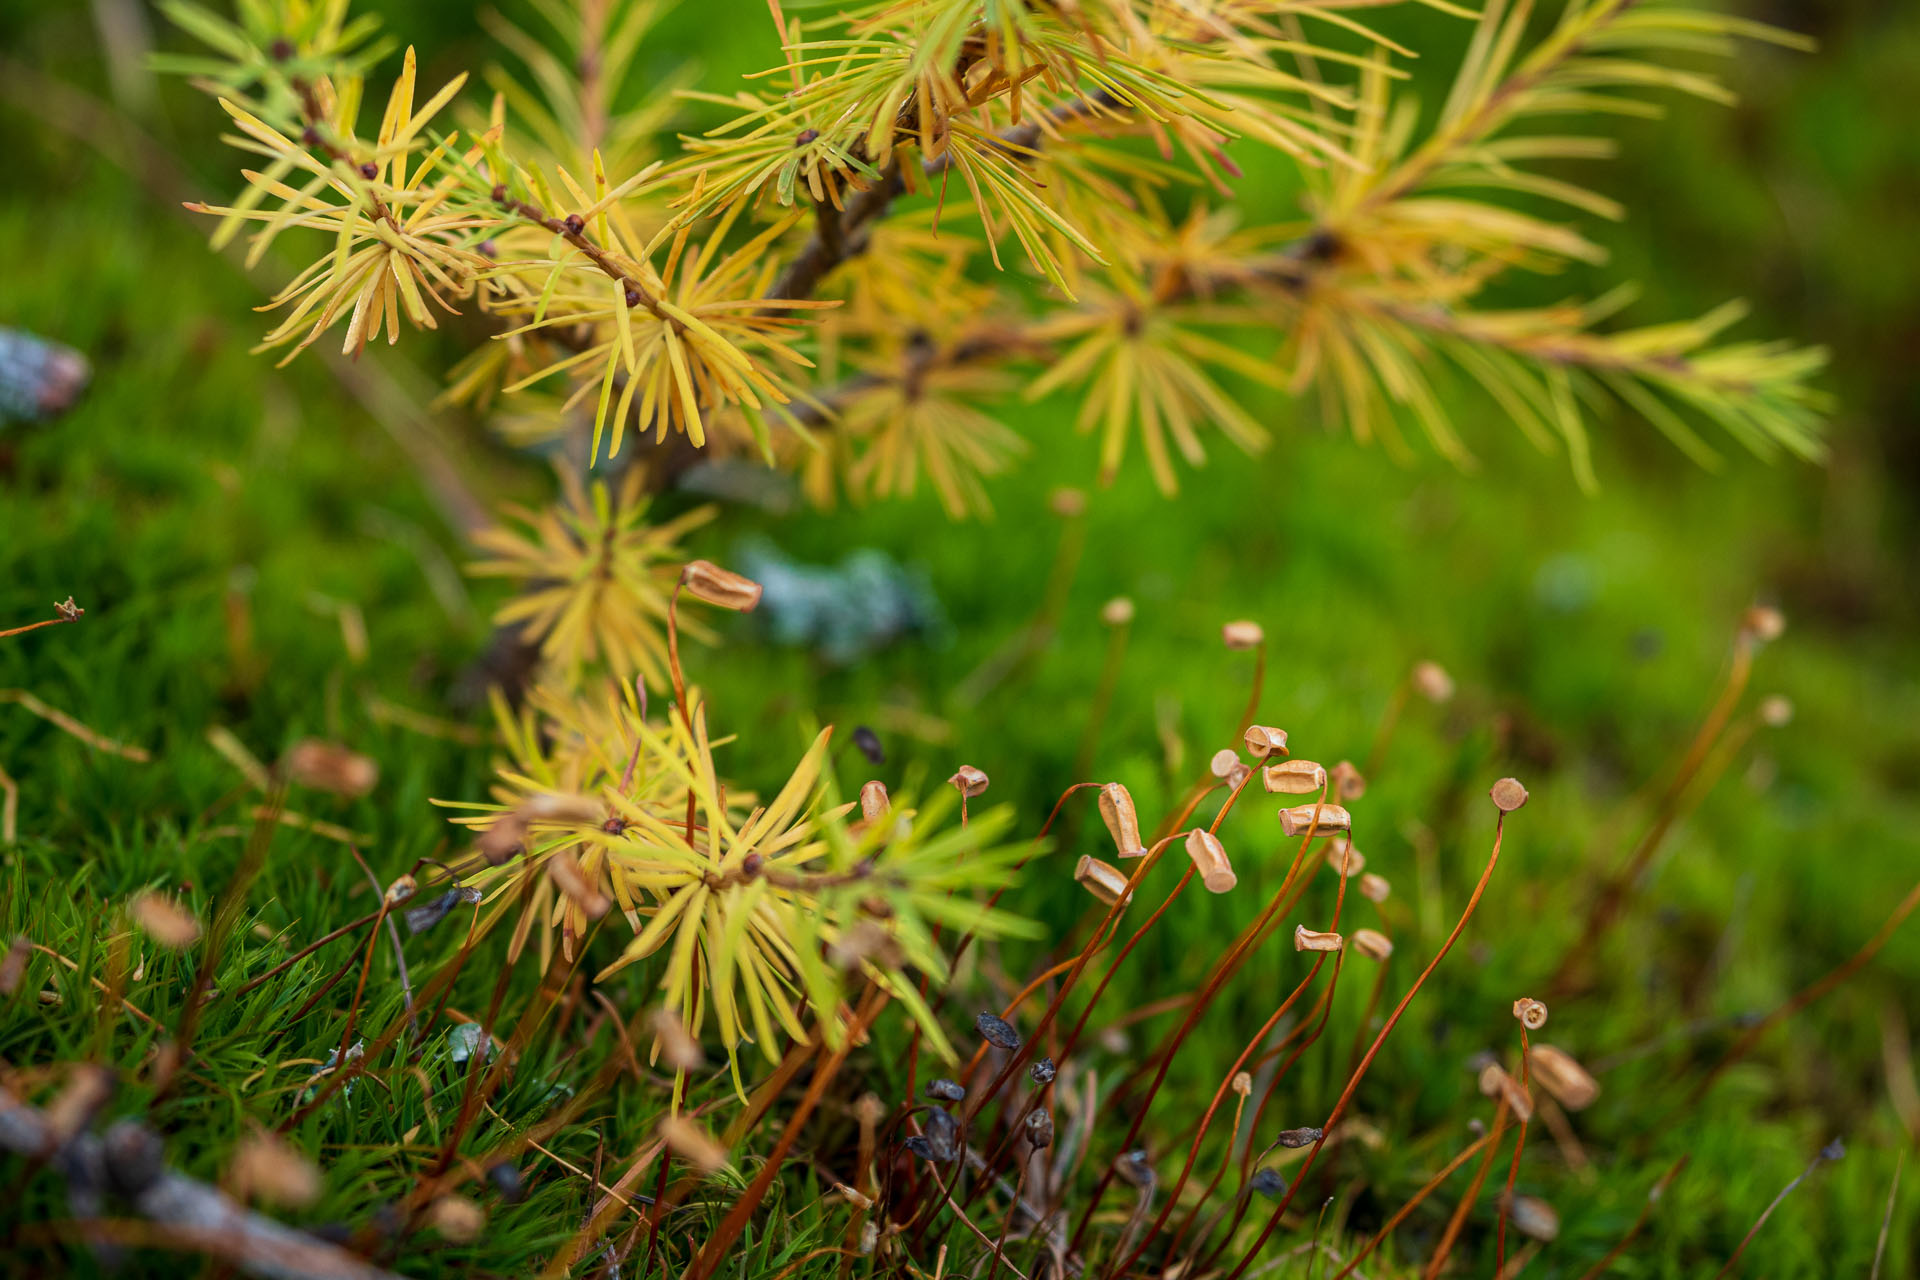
67	610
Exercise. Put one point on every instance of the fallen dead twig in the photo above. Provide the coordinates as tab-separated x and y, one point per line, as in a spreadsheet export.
189	1214
66	723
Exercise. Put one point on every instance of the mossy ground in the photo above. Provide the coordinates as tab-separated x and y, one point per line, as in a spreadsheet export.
211	512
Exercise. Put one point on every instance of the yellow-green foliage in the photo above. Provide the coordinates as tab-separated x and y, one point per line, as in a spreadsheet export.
1004	168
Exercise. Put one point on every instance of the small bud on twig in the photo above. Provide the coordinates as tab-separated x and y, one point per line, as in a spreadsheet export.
1305	939
1103	880
1344	858
1242	635
457	1218
1039	1128
970	781
692	1143
1223	762
1294	1139
705	580
1375	888
1496	1083
1532	1014
996	1031
943	1135
1123	822
676	1045
1321	819
945	1090
1534	1218
328	766
1263	740
873	800
1117	612
266	1168
1763	624
1432	682
1135	1169
1347	782
1563	1078
1372	944
1210	859
565	872
1508	794
164	920
1294	777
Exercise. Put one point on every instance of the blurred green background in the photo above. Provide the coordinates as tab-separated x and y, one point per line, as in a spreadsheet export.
212	513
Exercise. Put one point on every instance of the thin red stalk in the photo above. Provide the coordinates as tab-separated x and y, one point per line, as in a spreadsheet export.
1419	1197
1377	753
1613	894
1654	1193
1108	925
1460	1211
300	955
1219	1094
735	1222
1259	685
35	626
985	1239
1393	1019
1810	994
977	1099
1224	969
360	988
1767	1212
1006	1222
960	949
1323	1007
1360	1031
1520	1144
673	666
659	1208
